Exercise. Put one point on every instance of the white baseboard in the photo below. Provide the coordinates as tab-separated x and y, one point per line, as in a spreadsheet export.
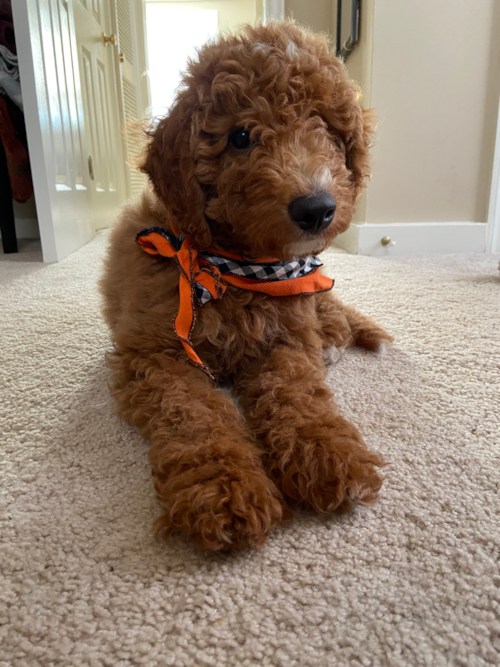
26	228
411	238
349	240
414	238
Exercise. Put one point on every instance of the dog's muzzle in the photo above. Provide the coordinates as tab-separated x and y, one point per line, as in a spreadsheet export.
313	213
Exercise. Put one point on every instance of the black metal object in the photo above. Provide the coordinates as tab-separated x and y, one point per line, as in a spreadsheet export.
7	221
344	48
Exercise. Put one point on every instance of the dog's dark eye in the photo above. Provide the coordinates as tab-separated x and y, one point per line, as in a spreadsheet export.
240	138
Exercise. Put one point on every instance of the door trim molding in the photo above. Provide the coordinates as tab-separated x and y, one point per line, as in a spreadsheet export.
63	211
414	238
493	228
275	9
26	20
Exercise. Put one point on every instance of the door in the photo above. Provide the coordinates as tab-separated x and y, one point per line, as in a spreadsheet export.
133	84
48	64
97	54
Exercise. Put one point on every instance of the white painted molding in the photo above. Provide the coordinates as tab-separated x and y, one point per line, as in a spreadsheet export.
414	238
275	9
26	228
493	230
349	240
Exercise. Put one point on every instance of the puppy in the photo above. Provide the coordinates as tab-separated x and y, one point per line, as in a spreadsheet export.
258	166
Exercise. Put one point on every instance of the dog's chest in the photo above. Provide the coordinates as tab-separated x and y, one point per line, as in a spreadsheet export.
247	323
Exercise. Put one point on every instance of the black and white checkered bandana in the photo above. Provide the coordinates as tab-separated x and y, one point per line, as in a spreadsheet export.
269	272
265	271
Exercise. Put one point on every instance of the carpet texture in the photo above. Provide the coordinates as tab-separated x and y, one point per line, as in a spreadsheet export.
414	580
29	250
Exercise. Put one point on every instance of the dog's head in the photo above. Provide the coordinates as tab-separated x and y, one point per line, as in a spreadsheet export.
265	150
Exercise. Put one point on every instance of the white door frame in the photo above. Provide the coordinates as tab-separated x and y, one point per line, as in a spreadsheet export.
493	228
275	9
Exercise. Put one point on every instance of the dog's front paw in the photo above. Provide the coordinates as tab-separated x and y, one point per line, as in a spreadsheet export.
332	471
227	512
373	338
384	347
332	355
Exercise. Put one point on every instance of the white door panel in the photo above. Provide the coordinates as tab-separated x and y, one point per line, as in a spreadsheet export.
49	72
105	160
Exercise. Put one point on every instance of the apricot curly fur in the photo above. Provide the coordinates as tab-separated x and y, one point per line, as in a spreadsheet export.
225	476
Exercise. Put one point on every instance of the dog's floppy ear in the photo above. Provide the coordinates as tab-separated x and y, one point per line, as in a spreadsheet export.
351	127
358	142
170	166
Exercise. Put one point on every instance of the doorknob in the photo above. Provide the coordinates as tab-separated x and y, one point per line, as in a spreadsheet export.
109	40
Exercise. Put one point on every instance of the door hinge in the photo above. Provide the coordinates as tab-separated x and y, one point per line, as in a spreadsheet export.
91	168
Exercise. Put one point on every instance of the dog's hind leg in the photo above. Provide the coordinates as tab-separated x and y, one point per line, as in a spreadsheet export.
315	456
206	467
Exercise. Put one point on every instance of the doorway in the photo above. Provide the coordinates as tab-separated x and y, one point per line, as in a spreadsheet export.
175	29
83	64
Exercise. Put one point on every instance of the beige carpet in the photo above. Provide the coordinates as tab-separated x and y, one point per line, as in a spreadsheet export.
413	581
29	250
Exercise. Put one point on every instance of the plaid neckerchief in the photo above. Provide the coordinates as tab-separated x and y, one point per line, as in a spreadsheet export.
206	275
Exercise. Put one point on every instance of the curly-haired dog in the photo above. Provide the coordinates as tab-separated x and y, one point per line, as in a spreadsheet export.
262	155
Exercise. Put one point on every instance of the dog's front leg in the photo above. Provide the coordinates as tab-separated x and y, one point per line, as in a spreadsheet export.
207	469
315	456
342	325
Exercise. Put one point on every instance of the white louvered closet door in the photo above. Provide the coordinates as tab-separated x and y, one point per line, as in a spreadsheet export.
133	83
97	56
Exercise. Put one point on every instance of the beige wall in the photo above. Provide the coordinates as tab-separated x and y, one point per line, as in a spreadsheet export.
435	85
316	14
431	70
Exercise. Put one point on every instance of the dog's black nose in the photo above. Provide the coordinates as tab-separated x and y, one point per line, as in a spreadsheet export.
313	213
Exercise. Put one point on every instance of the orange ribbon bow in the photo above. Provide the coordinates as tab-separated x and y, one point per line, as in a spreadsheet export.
198	273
